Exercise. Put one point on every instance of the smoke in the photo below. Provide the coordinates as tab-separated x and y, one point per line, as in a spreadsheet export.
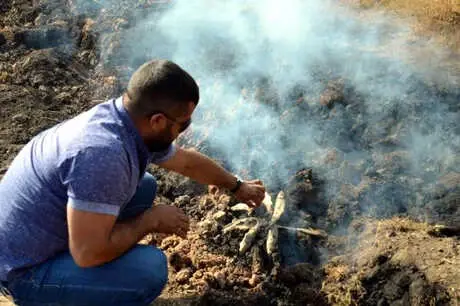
265	66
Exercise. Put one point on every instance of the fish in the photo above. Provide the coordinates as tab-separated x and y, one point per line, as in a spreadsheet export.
268	203
240	207
249	238
306	231
280	207
272	240
241	224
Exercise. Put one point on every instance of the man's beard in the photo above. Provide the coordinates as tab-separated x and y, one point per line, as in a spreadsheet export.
160	143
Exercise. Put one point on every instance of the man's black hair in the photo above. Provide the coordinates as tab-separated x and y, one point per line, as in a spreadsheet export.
160	86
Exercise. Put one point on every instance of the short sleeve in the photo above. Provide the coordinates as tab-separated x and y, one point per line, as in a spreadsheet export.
97	180
160	157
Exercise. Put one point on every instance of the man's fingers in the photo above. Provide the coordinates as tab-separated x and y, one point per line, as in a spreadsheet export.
260	187
182	229
261	194
184	223
256	182
180	211
261	197
183	217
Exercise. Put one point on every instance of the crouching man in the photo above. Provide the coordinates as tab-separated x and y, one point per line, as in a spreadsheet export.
77	198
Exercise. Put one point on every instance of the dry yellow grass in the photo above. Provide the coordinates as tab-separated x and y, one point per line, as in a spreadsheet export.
434	17
337	273
405	244
401	225
347	293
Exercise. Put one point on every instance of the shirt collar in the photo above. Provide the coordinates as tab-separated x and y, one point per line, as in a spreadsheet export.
131	128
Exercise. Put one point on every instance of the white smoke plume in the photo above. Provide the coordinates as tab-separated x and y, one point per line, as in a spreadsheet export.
263	67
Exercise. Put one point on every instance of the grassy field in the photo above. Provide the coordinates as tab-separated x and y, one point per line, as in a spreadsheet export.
439	19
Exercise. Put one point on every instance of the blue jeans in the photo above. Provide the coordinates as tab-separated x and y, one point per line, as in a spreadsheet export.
135	278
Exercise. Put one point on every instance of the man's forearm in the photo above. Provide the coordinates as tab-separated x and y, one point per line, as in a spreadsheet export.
206	171
126	234
123	237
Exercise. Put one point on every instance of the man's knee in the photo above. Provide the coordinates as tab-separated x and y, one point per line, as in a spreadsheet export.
159	270
142	199
149	186
156	273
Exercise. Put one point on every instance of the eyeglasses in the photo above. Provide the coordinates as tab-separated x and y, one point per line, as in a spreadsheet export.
183	125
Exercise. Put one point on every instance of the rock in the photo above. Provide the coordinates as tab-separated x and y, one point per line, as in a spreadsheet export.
183	275
220	278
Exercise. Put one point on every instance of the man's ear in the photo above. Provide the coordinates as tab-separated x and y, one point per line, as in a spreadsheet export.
157	121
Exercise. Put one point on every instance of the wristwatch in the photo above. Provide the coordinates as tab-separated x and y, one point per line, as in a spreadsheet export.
238	185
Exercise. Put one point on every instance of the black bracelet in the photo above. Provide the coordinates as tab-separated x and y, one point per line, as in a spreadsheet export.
238	185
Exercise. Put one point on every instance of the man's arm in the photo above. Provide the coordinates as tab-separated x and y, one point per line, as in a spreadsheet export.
97	181
204	170
95	238
200	168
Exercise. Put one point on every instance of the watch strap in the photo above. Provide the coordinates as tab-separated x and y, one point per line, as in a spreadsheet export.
238	185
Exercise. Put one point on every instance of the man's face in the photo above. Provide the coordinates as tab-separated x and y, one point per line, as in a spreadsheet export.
165	128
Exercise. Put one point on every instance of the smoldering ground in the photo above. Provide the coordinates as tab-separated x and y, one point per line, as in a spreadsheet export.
294	85
285	84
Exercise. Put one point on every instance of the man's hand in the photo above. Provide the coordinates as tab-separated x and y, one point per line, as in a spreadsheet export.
251	193
95	238
204	170
169	219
